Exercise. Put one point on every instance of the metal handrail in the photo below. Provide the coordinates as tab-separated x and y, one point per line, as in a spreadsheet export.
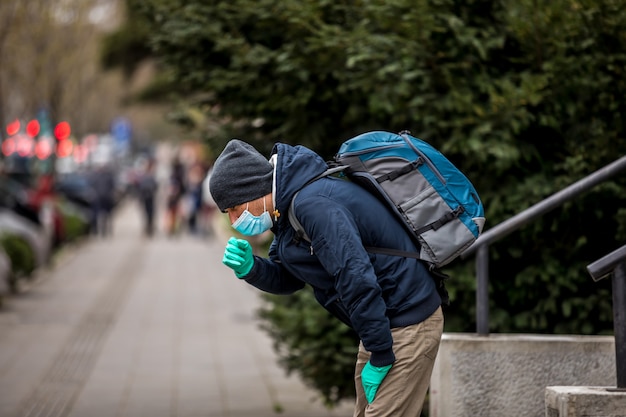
481	246
614	264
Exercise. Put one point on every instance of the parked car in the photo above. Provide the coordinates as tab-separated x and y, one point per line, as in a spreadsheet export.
77	188
16	196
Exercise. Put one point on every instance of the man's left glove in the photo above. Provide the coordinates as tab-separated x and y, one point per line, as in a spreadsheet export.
371	378
238	256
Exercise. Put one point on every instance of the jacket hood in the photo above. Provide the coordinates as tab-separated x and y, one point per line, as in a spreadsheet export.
295	166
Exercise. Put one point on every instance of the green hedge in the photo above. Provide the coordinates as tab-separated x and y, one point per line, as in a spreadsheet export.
74	223
21	255
312	343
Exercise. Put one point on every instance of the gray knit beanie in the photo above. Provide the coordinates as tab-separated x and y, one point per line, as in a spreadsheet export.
240	174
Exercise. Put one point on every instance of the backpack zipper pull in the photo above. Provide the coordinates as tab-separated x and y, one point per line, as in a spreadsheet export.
311	247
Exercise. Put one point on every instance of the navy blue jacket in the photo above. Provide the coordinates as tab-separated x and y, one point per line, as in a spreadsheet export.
372	293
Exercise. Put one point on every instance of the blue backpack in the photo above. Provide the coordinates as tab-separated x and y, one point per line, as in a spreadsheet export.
436	203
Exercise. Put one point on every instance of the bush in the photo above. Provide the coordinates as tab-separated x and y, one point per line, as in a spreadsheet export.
311	342
75	222
22	258
75	227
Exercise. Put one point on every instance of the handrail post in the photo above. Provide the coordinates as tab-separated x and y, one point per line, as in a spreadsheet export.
614	264
482	290
619	322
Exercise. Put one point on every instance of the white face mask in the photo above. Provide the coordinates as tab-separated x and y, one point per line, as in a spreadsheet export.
250	225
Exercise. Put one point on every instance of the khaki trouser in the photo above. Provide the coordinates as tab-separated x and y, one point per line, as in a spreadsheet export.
403	390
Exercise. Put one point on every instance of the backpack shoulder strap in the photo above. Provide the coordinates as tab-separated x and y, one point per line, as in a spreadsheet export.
291	213
295	223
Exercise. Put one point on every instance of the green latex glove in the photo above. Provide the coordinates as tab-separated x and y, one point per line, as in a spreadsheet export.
371	378
238	256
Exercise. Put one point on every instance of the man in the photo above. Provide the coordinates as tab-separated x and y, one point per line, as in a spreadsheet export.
103	184
147	187
390	301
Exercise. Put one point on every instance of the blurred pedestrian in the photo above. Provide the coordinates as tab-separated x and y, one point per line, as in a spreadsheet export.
194	197
103	184
175	191
209	208
147	187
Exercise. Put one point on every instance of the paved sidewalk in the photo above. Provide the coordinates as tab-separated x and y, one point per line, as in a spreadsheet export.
130	327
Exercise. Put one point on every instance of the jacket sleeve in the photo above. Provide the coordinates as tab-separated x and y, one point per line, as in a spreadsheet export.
269	276
337	243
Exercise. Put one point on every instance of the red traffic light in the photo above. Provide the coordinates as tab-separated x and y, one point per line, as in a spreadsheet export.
62	131
32	128
13	127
